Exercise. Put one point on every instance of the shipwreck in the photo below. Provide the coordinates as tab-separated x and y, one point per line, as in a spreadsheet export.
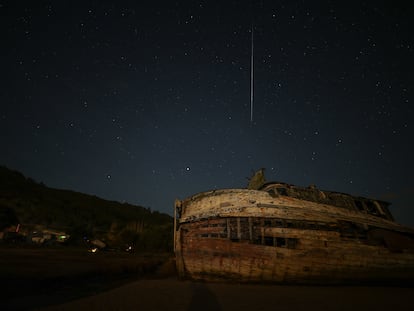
281	233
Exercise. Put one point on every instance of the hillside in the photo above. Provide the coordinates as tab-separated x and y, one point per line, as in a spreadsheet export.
34	205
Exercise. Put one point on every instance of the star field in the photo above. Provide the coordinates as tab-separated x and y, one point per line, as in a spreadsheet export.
144	103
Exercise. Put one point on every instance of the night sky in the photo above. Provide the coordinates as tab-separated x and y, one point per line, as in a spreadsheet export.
145	102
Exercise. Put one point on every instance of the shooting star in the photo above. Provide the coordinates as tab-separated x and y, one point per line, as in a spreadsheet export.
251	78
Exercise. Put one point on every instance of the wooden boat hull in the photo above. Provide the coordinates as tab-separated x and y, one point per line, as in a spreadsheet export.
249	236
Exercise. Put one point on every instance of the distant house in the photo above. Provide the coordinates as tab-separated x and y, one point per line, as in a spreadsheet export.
8	218
12	234
8	222
48	235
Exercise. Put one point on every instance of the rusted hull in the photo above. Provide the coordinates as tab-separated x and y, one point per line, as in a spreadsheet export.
248	243
222	259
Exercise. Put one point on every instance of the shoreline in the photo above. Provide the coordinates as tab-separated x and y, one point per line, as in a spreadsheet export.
173	294
65	279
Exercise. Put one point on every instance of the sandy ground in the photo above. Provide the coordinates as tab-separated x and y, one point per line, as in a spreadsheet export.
172	294
43	279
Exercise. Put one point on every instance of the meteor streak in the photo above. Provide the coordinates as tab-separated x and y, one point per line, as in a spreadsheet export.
251	78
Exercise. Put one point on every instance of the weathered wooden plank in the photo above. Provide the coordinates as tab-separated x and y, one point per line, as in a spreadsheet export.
249	235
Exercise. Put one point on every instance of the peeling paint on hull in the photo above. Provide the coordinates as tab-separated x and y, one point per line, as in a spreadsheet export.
258	236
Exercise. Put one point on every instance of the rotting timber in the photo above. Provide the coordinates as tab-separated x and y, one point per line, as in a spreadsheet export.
287	234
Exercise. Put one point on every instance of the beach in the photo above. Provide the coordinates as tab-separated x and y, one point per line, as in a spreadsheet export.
73	279
173	294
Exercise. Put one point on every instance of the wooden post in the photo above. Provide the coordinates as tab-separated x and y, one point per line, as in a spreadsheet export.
238	228
228	228
250	229
175	223
262	230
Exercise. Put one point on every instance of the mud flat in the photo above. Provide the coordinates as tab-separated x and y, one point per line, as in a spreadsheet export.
32	278
65	279
172	294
